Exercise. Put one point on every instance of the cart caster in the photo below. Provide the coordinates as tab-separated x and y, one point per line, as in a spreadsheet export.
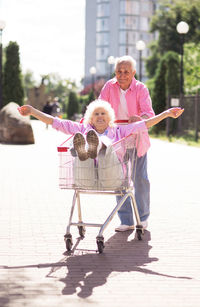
81	230
139	232
100	244
68	242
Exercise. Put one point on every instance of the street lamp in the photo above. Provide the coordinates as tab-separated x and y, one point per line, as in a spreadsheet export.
93	71
182	28
111	61
140	46
2	26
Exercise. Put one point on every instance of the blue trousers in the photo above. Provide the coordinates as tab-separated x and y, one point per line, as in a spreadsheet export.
142	195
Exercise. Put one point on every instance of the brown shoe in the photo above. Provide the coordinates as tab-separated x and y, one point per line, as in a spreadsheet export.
93	142
79	146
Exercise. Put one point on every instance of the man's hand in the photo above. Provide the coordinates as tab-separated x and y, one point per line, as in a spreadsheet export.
175	112
134	119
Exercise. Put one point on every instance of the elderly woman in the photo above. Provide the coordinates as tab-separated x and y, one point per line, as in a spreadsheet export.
98	131
98	127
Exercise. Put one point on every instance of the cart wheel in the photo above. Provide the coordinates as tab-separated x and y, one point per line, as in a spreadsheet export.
100	245
68	241
68	244
139	234
81	231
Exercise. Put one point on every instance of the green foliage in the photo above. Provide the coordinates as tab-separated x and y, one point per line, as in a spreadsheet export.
12	79
159	91
152	62
73	105
168	16
172	77
86	100
28	81
91	96
164	22
192	68
166	83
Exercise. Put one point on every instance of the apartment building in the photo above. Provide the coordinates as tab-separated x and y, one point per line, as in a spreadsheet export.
113	27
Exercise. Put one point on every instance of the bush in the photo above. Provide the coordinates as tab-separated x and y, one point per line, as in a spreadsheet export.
12	79
73	105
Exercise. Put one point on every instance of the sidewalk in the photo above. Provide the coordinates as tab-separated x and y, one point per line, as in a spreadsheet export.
161	270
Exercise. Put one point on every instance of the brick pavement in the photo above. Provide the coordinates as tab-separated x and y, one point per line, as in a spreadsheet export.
161	270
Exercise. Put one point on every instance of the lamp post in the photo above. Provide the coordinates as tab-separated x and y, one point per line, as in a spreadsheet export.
140	46
2	26
93	71
111	61
182	28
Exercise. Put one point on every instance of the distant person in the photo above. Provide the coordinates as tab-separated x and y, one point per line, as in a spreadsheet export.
47	109
56	110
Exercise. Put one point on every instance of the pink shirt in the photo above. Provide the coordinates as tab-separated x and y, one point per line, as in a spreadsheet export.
137	97
115	133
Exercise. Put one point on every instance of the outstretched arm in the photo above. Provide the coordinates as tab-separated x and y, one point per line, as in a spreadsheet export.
173	112
27	110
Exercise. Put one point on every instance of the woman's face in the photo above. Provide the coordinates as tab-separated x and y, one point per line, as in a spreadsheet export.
100	119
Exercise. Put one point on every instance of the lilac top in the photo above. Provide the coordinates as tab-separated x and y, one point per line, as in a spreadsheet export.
115	133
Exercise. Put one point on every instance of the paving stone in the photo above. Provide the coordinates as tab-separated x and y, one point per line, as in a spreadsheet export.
161	270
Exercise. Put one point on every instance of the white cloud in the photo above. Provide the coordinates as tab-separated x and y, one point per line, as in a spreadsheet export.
50	34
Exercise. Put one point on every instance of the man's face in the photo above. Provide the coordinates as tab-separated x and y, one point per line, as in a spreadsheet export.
124	74
100	119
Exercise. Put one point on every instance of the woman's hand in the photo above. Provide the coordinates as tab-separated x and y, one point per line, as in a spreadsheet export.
175	112
25	110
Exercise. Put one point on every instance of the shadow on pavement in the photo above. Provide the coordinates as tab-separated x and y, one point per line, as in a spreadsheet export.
86	269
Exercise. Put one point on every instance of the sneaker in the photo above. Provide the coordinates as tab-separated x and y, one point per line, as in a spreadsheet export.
93	142
144	224
79	146
121	228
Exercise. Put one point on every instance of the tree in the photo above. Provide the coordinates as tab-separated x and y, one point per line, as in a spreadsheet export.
28	81
164	22
12	81
73	104
192	68
166	83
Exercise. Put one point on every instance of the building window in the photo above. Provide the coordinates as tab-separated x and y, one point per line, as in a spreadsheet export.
145	7
144	24
102	39
102	24
102	53
128	37
128	22
101	68
145	36
129	7
103	9
128	50
100	1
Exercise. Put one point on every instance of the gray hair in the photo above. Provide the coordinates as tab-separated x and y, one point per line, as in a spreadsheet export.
98	103
126	58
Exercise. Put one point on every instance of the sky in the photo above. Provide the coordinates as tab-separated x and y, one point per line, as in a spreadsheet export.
50	35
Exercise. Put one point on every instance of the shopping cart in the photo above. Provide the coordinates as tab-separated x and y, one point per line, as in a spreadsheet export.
110	173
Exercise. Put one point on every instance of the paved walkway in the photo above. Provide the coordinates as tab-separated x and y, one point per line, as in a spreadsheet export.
161	270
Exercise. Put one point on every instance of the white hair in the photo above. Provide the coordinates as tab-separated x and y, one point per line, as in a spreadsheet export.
98	103
126	58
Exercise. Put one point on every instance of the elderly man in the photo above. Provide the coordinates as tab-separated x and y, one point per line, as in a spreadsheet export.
130	100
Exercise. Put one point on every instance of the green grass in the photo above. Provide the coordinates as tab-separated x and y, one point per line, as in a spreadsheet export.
187	139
